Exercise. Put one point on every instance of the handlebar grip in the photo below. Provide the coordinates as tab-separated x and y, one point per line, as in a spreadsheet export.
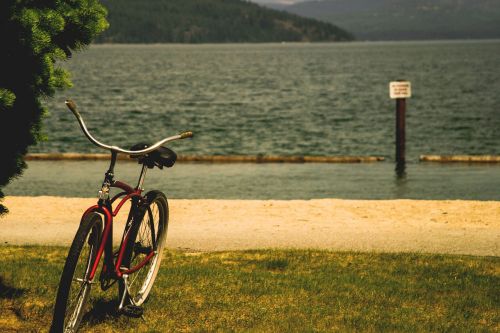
71	105
185	135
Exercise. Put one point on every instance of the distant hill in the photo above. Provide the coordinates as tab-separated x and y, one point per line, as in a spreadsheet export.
406	19
209	21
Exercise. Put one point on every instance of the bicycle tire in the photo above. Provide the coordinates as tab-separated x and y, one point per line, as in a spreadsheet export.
150	230
68	310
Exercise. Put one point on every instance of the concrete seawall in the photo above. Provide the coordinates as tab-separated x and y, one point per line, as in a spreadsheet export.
460	158
213	158
267	158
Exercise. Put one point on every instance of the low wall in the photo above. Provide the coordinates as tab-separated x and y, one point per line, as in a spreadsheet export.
213	158
460	158
267	158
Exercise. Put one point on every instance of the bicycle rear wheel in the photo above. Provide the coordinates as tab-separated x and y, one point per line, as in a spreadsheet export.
148	233
74	287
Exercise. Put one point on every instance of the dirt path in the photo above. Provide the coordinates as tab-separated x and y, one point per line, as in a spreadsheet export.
459	227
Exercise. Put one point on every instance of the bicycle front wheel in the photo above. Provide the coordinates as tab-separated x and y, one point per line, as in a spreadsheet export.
148	234
74	287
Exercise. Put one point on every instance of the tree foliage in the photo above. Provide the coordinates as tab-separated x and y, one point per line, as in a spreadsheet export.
406	19
34	35
209	21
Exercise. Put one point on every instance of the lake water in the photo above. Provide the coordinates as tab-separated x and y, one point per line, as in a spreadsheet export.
282	99
270	181
285	99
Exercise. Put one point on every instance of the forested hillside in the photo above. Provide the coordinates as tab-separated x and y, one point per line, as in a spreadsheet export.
209	21
406	19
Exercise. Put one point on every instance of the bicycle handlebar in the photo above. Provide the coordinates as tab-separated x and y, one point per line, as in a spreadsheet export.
72	106
185	135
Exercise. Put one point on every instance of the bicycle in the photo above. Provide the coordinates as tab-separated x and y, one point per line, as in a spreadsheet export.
136	262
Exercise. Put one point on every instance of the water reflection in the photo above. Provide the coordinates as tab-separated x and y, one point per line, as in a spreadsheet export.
400	170
401	180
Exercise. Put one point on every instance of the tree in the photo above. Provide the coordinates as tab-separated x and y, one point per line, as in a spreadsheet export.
210	21
34	35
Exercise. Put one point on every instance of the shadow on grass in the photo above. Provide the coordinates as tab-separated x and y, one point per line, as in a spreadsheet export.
9	292
102	310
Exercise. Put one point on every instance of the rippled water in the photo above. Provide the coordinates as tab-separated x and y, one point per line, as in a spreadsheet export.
288	99
269	181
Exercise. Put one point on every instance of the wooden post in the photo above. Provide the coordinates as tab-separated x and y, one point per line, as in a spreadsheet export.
400	91
400	130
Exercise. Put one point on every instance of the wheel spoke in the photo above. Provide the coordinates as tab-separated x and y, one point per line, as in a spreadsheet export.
74	317
150	233
75	286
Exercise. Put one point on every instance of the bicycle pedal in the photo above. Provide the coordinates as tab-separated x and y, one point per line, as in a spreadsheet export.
131	310
138	248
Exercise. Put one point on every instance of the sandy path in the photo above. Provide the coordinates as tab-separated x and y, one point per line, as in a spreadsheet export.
459	227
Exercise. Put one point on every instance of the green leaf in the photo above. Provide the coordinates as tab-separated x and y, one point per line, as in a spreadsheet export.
7	98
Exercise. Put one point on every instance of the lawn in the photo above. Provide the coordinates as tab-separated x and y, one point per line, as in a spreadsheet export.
271	291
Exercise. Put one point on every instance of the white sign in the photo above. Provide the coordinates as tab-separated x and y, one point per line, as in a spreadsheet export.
400	89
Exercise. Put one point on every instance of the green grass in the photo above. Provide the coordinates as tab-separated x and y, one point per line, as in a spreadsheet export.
271	291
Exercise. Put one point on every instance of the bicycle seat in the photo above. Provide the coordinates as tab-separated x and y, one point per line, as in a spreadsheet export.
160	157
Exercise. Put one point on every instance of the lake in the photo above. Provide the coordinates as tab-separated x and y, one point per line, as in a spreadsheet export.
282	99
269	181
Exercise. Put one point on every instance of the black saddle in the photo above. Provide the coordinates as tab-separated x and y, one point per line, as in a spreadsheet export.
160	157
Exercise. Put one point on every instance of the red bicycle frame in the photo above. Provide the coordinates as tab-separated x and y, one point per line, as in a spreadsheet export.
104	207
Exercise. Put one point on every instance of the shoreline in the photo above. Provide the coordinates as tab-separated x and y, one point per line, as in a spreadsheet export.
211	158
427	226
299	43
467	159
